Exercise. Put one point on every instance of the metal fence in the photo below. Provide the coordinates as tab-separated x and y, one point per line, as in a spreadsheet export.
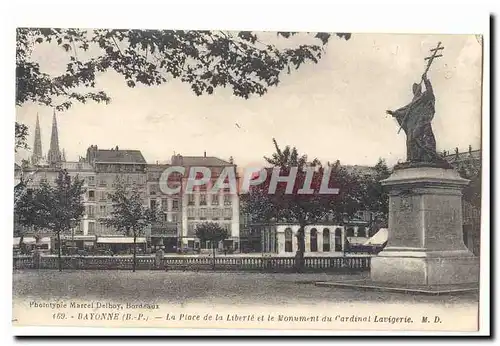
270	264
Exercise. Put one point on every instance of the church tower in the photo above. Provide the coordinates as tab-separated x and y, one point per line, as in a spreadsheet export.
37	146
54	155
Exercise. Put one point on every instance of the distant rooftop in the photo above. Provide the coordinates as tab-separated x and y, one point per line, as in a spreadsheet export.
119	156
76	166
202	161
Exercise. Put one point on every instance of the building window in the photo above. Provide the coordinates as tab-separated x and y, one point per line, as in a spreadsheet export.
349	232
102	182
153	189
215	199
102	195
216	213
78	228
314	240
190	199
227	199
91	195
175	204
91	180
102	210
203	199
174	218
191	229
164	204
288	240
152	204
362	231
227	213
326	240
338	239
90	211
91	228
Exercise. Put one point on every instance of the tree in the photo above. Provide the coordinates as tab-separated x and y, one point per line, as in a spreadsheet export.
129	216
471	169
61	206
213	233
29	211
266	205
206	60
21	136
375	197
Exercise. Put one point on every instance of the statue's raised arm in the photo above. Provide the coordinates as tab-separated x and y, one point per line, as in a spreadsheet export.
427	83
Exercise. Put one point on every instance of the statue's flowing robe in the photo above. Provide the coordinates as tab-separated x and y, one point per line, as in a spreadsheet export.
415	119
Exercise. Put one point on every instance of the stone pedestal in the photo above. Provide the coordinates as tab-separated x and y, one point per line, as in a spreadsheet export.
425	245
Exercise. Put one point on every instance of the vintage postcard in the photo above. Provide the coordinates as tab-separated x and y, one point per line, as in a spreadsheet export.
247	180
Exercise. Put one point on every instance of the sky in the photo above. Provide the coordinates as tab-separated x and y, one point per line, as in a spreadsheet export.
333	110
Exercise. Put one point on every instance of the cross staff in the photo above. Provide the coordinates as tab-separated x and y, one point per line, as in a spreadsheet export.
435	54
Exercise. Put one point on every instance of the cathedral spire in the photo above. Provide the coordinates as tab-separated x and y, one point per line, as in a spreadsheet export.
37	146
54	155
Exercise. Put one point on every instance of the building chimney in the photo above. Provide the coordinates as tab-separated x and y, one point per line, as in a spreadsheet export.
204	154
470	149
117	147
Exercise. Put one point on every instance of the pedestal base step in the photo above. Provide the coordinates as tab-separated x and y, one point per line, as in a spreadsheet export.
397	288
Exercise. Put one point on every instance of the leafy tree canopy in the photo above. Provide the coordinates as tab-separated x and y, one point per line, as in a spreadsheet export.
206	60
211	231
61	205
293	206
129	215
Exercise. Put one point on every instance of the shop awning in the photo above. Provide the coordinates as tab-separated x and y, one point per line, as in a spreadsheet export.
119	240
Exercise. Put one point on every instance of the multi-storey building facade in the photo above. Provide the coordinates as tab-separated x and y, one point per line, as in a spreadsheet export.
164	233
48	174
112	166
203	204
85	172
101	169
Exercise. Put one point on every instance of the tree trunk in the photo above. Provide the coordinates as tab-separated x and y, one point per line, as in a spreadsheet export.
301	248
135	253
213	260
21	244
59	252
